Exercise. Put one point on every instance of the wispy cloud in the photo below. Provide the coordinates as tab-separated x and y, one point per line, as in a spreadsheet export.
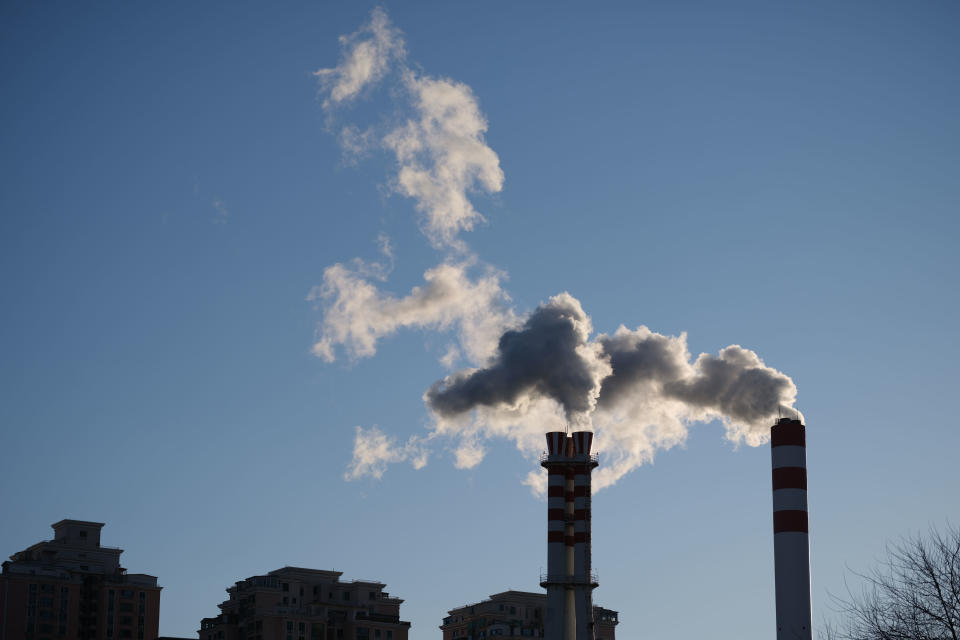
441	156
221	211
356	314
365	59
440	151
373	450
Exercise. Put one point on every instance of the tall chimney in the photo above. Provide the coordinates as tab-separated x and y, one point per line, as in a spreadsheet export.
791	537
569	580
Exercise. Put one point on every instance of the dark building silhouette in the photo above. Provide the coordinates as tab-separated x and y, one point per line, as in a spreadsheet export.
293	603
74	588
514	614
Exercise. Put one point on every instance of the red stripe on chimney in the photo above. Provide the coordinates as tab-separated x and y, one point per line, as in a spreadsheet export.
789	433
790	521
789	478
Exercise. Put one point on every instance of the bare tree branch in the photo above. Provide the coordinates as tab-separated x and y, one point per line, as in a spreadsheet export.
914	594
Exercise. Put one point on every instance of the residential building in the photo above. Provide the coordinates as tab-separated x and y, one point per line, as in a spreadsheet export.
74	588
294	603
514	614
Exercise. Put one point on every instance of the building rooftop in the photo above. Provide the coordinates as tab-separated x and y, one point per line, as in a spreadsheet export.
85	523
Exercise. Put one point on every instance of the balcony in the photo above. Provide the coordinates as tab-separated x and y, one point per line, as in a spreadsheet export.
565	579
593	459
378	617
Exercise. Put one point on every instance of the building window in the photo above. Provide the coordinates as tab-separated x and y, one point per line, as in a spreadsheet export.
389	634
376	633
373	595
83	534
286	586
346	595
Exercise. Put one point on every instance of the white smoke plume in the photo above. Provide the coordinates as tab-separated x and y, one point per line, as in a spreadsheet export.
440	149
441	156
357	314
639	390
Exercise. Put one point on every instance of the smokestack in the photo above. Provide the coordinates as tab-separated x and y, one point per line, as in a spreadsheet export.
569	581
791	537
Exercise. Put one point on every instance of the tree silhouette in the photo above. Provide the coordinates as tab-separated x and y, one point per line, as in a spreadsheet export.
914	594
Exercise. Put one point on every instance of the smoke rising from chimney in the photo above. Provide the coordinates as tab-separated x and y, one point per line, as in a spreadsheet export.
639	390
550	356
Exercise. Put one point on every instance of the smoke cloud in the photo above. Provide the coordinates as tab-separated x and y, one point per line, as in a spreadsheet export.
441	155
548	356
357	314
439	148
637	389
640	391
365	59
373	450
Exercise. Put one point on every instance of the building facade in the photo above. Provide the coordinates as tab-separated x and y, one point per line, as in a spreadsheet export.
514	614
293	603
73	588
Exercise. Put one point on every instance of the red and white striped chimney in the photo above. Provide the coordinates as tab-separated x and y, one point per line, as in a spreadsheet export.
554	622
569	581
791	537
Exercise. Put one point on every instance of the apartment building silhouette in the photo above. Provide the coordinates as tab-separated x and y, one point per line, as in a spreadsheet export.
514	614
72	587
294	603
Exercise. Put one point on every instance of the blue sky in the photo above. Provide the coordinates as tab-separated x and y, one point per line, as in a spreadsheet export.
776	176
